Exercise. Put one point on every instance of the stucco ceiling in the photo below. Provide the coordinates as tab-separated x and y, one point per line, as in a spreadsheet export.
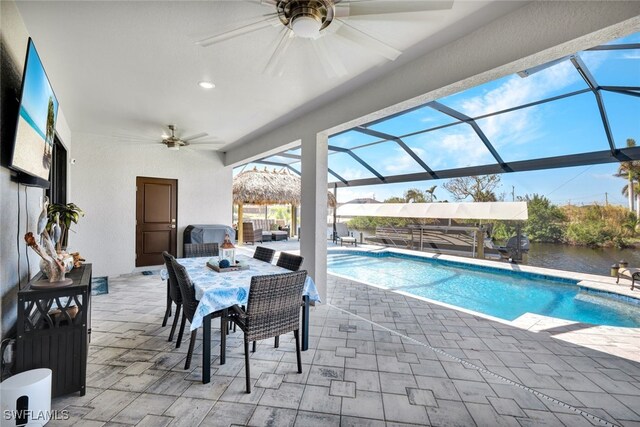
126	69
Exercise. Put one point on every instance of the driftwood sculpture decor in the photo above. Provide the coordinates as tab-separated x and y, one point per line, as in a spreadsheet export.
50	264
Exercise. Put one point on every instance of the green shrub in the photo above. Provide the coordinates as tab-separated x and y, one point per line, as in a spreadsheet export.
590	233
546	220
596	225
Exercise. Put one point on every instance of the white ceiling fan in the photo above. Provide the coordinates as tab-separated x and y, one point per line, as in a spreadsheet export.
174	142
313	19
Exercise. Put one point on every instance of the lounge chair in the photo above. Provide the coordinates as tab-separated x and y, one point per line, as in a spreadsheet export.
251	234
632	274
344	235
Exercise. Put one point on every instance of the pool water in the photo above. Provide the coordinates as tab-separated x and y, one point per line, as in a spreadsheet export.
506	295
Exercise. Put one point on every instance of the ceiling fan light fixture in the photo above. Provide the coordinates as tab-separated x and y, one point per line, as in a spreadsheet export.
306	18
306	26
206	84
174	146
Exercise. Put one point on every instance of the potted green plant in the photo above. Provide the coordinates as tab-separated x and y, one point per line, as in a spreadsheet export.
69	213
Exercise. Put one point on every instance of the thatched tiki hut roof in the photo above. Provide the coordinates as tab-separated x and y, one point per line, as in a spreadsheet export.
255	187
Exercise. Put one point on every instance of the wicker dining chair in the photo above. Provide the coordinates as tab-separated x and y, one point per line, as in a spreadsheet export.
264	254
289	261
195	250
173	294
189	304
273	309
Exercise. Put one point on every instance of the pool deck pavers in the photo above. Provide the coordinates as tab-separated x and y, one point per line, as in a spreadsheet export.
376	358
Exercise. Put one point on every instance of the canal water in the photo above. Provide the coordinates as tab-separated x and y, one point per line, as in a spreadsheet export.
571	258
580	258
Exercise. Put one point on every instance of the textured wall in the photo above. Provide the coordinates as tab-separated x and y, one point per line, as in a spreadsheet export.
104	181
15	257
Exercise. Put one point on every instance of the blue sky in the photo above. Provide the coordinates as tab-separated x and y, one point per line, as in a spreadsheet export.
35	98
567	126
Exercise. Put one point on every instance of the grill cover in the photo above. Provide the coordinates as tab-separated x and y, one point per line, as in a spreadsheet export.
209	233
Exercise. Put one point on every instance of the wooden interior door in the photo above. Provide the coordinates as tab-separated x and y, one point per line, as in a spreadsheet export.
156	219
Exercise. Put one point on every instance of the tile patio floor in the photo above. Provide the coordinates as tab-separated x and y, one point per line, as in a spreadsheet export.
376	358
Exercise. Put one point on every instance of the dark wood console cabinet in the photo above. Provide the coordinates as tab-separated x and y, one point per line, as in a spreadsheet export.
53	334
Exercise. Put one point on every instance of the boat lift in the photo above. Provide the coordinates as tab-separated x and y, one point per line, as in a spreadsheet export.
415	235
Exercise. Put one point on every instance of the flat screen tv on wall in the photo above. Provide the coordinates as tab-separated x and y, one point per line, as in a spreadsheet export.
33	145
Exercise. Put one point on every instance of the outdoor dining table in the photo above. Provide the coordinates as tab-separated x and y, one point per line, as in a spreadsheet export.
219	291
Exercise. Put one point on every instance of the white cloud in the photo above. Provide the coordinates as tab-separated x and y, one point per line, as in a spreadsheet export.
400	162
351	173
601	176
458	146
428	119
521	126
343	140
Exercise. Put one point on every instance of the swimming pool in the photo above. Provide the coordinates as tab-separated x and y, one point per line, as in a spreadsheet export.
499	293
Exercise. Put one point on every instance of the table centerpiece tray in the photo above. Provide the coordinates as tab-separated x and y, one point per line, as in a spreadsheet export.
213	264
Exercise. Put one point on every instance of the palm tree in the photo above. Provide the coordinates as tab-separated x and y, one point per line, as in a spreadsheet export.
630	171
49	126
430	195
414	195
395	199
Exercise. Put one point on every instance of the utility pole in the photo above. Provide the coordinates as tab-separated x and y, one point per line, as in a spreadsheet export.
513	193
606	199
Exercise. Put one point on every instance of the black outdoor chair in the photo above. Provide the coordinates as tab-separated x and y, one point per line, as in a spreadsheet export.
264	254
273	309
189	304
173	294
195	250
289	261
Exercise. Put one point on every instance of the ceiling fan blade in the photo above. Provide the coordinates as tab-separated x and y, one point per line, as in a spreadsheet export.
270	20
363	39
274	65
207	143
386	7
130	138
262	2
196	136
331	63
204	147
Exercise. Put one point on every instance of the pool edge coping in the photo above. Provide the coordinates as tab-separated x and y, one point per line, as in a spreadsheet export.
532	319
593	283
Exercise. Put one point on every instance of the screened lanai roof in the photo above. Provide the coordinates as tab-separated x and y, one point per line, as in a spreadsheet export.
576	110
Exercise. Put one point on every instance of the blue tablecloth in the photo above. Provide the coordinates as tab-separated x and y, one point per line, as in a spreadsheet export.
217	291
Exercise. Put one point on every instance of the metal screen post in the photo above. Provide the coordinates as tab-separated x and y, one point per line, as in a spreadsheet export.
519	242
475	239
480	231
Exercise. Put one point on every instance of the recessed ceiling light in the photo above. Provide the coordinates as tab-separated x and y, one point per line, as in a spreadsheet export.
206	85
